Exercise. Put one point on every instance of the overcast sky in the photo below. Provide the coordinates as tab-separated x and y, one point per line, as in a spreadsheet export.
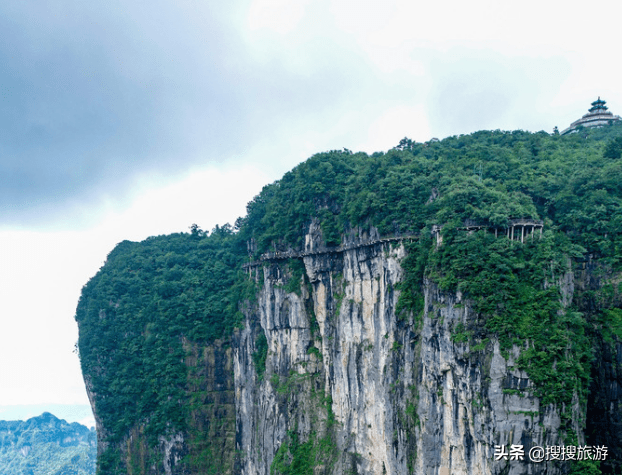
120	120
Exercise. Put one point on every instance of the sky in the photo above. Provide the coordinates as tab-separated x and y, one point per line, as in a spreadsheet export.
122	120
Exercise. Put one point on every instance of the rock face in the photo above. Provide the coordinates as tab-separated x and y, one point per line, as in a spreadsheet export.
327	377
470	401
388	396
331	365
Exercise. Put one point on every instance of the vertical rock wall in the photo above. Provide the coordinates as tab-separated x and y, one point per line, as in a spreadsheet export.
404	397
472	398
351	387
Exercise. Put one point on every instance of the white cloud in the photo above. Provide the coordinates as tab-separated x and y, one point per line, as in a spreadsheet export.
280	16
395	124
42	274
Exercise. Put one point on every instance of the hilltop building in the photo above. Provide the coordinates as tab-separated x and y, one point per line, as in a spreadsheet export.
597	116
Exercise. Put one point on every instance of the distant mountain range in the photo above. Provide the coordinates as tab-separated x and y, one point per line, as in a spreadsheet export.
81	413
46	445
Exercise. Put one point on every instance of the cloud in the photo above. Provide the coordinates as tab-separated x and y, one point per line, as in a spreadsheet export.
94	95
281	16
475	90
395	124
42	274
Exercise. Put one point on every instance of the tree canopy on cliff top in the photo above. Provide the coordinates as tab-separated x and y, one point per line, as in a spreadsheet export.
571	181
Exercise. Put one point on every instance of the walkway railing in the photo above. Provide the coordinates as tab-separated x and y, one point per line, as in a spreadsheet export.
522	227
282	255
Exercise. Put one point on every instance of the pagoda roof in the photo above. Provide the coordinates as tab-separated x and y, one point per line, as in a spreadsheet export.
597	116
598	105
599	101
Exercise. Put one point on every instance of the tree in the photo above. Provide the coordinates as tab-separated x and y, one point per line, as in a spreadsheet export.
405	144
613	149
196	231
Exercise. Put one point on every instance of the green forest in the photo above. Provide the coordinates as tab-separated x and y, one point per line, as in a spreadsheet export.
46	445
151	297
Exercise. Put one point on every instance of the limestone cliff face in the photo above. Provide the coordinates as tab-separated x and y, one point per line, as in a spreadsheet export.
337	380
387	395
604	406
351	387
469	399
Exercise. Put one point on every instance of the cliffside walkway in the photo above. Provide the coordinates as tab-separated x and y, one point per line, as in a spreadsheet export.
527	227
282	255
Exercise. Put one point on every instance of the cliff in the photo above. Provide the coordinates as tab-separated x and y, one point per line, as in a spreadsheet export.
309	341
351	387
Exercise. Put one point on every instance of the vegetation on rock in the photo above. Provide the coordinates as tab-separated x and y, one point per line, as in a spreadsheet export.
151	297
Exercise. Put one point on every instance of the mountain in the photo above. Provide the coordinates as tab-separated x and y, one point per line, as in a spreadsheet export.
436	309
46	445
